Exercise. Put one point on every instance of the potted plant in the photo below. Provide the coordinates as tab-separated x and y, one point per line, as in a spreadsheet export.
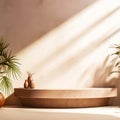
9	69
117	58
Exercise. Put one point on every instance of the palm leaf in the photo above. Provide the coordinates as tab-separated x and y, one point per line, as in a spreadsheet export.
13	71
6	85
3	44
12	65
117	64
117	58
9	67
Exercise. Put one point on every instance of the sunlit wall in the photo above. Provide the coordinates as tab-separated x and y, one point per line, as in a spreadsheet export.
65	43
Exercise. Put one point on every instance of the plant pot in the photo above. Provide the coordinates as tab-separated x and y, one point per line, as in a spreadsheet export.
2	99
86	97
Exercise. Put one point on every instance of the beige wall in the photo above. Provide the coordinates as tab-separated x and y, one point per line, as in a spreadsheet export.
64	42
23	21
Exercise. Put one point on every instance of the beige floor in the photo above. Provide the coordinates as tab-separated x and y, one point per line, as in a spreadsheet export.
100	113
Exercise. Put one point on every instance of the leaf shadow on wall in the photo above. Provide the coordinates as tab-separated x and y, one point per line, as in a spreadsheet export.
23	22
76	38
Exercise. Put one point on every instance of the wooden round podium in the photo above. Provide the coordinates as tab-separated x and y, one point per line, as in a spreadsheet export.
53	98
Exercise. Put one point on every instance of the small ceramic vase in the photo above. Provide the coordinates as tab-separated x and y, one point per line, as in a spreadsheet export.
26	84
2	99
29	83
32	84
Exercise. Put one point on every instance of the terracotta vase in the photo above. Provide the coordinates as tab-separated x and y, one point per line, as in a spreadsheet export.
2	99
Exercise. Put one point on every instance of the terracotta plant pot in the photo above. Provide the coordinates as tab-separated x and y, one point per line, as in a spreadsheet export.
2	99
86	97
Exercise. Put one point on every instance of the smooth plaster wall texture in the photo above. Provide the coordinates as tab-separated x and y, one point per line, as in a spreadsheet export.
26	20
40	34
23	22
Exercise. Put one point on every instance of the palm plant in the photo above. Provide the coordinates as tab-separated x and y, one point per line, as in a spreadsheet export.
9	68
117	58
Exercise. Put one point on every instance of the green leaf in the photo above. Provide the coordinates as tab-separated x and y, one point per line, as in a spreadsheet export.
6	85
3	44
117	58
9	67
13	70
